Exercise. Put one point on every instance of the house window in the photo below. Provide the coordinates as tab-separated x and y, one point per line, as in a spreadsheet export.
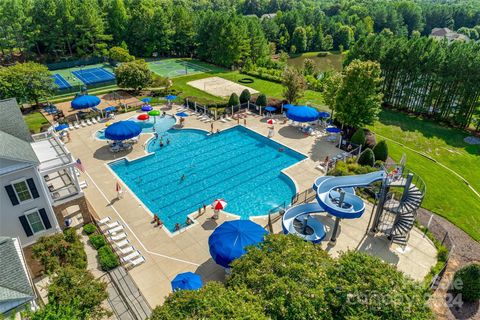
35	221
22	190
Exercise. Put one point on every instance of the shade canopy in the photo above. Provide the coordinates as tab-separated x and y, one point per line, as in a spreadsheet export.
110	109
270	109
302	114
187	281
154	113
143	117
147	107
122	130
229	240
271	121
182	114
333	130
146	100
171	97
61	127
324	115
85	102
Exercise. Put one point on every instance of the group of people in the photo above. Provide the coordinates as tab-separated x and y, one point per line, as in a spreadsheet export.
159	223
155	134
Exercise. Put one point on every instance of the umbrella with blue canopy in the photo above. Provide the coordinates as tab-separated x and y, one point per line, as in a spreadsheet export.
324	115
146	100
288	106
147	107
270	109
171	97
110	109
61	127
229	240
122	130
181	114
333	130
302	114
187	281
85	102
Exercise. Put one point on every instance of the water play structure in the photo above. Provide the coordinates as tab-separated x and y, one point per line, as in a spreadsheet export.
397	195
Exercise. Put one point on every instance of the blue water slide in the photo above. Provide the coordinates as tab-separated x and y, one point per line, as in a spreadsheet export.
302	212
352	206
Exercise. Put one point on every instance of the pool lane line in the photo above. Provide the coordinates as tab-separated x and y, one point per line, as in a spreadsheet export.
132	232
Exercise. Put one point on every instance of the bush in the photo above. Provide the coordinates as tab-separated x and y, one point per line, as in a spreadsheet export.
97	241
367	158
467	279
233	101
261	100
120	54
245	96
381	151
359	137
108	259
89	228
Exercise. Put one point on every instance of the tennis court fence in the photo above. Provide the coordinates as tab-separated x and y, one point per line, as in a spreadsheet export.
75	63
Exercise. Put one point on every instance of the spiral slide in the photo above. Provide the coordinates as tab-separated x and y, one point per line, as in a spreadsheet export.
330	199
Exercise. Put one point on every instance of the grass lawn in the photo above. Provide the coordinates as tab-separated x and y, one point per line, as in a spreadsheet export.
35	120
447	194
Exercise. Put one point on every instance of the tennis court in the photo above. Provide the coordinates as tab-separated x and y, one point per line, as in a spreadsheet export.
176	67
94	75
60	81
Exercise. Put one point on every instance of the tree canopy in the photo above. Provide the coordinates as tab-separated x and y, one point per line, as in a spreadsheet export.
134	74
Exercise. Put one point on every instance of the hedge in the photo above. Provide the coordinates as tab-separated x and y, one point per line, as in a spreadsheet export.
97	241
467	282
107	258
367	158
89	228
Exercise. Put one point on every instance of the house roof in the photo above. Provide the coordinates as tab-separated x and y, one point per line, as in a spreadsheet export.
15	288
440	32
11	120
449	34
15	149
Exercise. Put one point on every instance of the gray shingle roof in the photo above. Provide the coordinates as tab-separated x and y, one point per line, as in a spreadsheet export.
13	148
14	284
11	120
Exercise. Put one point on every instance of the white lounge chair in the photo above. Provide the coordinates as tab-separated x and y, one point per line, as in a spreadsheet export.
83	184
121	243
126	250
83	123
93	120
112	225
223	120
70	126
118	237
89	122
104	220
115	230
136	262
130	257
77	172
76	125
99	118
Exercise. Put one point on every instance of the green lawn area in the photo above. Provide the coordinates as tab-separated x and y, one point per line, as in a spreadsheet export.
447	195
35	120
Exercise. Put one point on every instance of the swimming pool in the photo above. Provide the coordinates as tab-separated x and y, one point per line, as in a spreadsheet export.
239	165
161	124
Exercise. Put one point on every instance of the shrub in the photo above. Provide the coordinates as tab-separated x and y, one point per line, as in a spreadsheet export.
367	158
233	101
89	228
467	279
245	96
97	241
359	137
261	100
108	259
120	54
381	151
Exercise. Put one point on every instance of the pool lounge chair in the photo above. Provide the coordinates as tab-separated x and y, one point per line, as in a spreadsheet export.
118	237
126	250
93	120
83	123
130	257
104	220
136	262
70	126
121	243
83	184
99	118
76	125
115	230
112	225
89	122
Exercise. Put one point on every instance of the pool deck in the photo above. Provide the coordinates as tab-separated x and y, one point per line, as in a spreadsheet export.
188	250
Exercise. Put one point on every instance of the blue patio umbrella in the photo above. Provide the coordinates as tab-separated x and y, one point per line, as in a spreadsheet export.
270	109
110	109
85	102
333	130
187	281
146	100
122	130
324	115
171	97
181	114
229	240
288	106
302	114
61	127
147	108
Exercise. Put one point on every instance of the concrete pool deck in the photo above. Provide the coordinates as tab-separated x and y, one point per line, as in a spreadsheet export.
188	250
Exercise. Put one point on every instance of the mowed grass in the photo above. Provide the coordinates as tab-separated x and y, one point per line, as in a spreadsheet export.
35	120
447	194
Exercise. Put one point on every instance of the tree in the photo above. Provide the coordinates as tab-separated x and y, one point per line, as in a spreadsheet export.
233	101
358	100
366	158
359	137
381	151
134	74
327	43
245	96
332	82
309	67
261	100
299	39
117	20
52	311
467	282
294	84
343	37
120	54
73	286
27	82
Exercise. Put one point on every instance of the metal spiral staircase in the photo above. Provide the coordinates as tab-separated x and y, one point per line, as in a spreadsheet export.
396	211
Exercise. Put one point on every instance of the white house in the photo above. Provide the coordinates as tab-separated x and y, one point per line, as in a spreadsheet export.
39	188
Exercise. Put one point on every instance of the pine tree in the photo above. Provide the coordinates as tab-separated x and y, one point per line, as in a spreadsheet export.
381	151
366	158
245	96
233	101
359	137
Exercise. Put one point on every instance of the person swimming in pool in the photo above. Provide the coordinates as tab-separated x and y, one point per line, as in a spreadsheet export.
168	141
183	177
177	226
161	143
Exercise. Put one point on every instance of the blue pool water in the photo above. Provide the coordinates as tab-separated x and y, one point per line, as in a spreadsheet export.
237	164
161	124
